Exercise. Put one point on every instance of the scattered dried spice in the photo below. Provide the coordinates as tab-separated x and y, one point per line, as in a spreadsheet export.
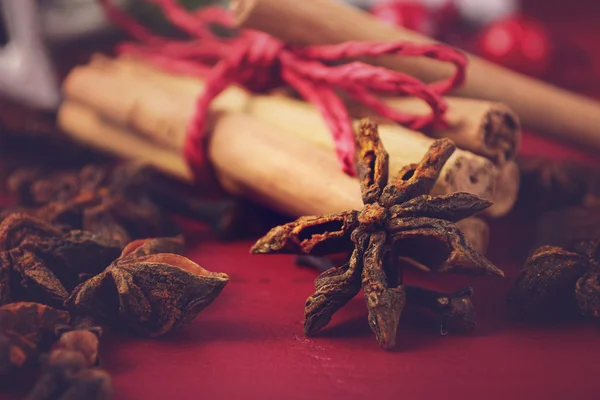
147	290
41	263
25	330
555	283
127	202
70	370
399	219
112	202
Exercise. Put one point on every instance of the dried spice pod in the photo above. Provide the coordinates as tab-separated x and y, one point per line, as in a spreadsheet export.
41	263
69	369
399	219
545	289
25	328
587	292
149	293
455	310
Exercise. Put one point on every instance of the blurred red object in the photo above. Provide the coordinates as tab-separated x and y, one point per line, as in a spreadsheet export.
519	43
410	14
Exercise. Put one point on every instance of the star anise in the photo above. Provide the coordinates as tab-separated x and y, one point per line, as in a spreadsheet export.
399	219
113	202
39	262
148	289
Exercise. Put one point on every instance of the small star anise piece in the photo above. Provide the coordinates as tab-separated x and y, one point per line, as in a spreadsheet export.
25	328
399	218
148	290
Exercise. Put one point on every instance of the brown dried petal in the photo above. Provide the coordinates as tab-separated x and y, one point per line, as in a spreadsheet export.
410	183
385	302
439	245
151	295
24	327
587	292
333	289
37	282
326	234
451	207
18	227
372	162
545	287
145	247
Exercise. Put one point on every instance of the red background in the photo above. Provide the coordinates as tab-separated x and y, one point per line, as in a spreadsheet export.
249	343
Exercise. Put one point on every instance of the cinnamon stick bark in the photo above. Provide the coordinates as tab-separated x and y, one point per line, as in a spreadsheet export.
84	125
542	107
144	102
477	232
489	129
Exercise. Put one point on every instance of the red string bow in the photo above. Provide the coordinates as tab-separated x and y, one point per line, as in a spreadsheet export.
260	62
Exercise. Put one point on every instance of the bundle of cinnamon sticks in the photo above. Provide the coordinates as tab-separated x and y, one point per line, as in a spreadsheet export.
273	148
276	149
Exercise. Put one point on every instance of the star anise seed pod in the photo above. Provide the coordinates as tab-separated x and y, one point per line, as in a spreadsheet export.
399	218
147	290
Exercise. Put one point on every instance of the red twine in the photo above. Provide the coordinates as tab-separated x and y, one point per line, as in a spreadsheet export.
261	62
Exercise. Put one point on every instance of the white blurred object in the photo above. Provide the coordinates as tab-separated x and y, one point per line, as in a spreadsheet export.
26	71
483	12
367	4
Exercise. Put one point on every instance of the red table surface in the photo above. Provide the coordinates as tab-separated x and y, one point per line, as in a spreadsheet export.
249	343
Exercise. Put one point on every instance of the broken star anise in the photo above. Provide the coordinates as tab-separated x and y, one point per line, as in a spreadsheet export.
399	219
41	263
148	290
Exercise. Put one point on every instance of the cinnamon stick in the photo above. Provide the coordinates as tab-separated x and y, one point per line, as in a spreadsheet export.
489	129
540	106
477	232
84	125
465	171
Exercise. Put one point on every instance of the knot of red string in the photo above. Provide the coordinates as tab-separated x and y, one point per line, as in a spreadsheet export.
261	62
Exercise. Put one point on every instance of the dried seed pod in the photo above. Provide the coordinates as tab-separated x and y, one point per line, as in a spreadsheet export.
587	292
545	289
41	263
25	328
399	219
150	293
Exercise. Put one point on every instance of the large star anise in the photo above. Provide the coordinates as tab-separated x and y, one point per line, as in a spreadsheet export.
148	289
399	219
